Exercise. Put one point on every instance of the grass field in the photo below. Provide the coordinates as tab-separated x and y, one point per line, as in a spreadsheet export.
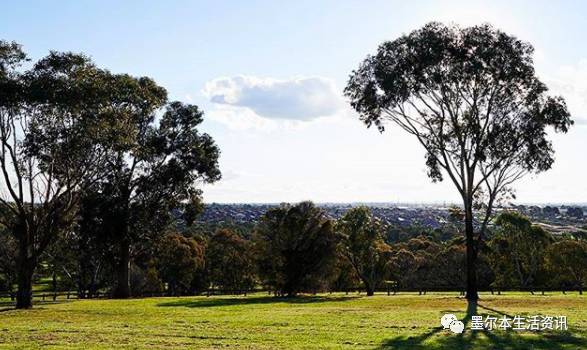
337	321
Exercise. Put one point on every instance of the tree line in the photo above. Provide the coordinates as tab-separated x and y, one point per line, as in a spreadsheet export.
101	163
299	249
98	156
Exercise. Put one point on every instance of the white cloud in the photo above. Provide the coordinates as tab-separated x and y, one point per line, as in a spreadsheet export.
239	118
299	99
571	83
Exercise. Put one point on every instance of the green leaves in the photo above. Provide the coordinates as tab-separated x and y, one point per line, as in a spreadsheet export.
362	245
296	247
11	56
459	87
471	98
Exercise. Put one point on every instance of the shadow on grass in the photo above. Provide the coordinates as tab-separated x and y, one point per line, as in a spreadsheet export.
223	301
11	305
495	311
492	339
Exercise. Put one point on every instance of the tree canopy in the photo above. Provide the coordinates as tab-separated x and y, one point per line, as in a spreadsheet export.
58	121
472	99
68	128
362	244
296	247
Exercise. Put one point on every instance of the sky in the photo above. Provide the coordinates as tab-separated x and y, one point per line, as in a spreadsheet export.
269	76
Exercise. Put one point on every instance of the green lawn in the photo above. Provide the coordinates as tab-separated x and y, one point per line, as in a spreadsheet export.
403	321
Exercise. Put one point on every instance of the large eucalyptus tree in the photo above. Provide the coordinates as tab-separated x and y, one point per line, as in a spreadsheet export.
157	171
472	99
59	120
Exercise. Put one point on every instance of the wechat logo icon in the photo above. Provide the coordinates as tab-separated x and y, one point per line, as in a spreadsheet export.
449	321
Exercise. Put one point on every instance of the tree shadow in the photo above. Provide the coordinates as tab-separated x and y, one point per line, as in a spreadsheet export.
232	301
11	305
495	311
511	340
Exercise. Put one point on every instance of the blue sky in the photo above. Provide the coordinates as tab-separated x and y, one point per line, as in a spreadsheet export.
269	75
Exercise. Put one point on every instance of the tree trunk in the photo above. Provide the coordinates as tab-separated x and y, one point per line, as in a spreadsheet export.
122	290
25	270
93	280
369	287
472	294
24	295
171	289
54	281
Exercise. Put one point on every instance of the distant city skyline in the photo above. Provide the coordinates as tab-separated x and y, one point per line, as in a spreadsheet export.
269	77
415	204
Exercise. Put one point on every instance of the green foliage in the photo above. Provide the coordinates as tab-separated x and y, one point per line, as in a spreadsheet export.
153	283
346	278
451	265
7	260
296	248
423	264
567	259
404	264
362	245
229	261
180	259
156	172
471	97
58	121
518	252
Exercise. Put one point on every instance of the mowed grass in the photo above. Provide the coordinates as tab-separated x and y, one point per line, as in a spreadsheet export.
337	321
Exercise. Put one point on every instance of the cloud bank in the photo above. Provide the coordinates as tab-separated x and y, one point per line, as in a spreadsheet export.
299	99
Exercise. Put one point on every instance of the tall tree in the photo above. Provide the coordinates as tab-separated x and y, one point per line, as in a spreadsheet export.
296	248
93	250
362	244
55	122
471	97
155	172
